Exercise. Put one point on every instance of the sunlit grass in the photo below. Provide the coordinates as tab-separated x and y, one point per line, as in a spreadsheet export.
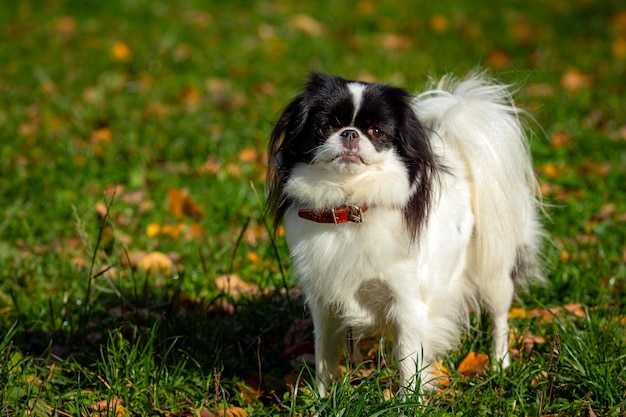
132	157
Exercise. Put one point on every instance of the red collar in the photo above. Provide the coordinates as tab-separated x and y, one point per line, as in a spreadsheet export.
341	214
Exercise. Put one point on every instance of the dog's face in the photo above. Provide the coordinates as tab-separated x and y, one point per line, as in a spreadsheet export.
348	127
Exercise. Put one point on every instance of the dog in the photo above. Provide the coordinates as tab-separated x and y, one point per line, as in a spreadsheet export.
402	213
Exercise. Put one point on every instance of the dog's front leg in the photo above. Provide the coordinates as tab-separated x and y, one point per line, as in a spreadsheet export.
327	346
415	371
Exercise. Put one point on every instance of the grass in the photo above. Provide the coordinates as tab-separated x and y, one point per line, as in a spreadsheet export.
132	137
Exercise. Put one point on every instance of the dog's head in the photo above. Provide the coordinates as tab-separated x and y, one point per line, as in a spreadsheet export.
349	128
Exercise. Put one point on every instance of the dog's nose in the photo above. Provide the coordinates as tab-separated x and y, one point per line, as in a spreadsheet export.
350	138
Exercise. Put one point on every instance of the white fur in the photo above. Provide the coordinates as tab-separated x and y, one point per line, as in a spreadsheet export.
372	278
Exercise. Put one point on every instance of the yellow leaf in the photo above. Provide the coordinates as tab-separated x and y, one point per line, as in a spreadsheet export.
182	205
253	257
194	231
307	24
441	374
439	23
518	313
473	364
210	166
235	286
249	154
233	412
573	80
191	97
101	135
394	41
156	262
120	51
153	229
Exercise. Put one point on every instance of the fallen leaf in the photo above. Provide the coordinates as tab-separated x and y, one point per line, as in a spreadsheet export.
473	364
101	135
112	407
249	394
233	412
253	257
249	154
394	42
120	51
498	59
573	80
182	205
540	90
528	341
156	262
601	170
548	314
604	214
518	313
523	31
439	23
560	140
65	25
254	234
307	24
235	286
191	97
441	374
210	166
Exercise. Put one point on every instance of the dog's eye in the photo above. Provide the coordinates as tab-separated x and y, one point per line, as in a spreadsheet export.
375	132
327	129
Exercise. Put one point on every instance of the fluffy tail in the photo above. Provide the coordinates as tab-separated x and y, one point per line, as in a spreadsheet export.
479	118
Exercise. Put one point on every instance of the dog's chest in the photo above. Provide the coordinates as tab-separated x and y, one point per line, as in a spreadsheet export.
339	264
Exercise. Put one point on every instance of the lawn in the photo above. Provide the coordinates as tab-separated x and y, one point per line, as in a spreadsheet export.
138	276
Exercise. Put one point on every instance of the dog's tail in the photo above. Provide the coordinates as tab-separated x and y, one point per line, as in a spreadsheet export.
478	117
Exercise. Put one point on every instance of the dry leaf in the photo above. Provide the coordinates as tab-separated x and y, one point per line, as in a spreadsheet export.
253	257
101	135
210	166
235	286
191	97
249	154
473	364
573	80
540	90
249	394
548	314
439	23
182	205
605	213
111	407
441	374
394	41
120	51
518	313
233	412
65	25
560	140
523	31
528	341
498	59
156	262
307	24
601	170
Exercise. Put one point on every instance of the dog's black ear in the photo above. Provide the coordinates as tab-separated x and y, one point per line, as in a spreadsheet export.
415	149
282	154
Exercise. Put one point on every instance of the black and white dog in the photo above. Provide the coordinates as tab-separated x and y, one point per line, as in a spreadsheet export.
401	213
